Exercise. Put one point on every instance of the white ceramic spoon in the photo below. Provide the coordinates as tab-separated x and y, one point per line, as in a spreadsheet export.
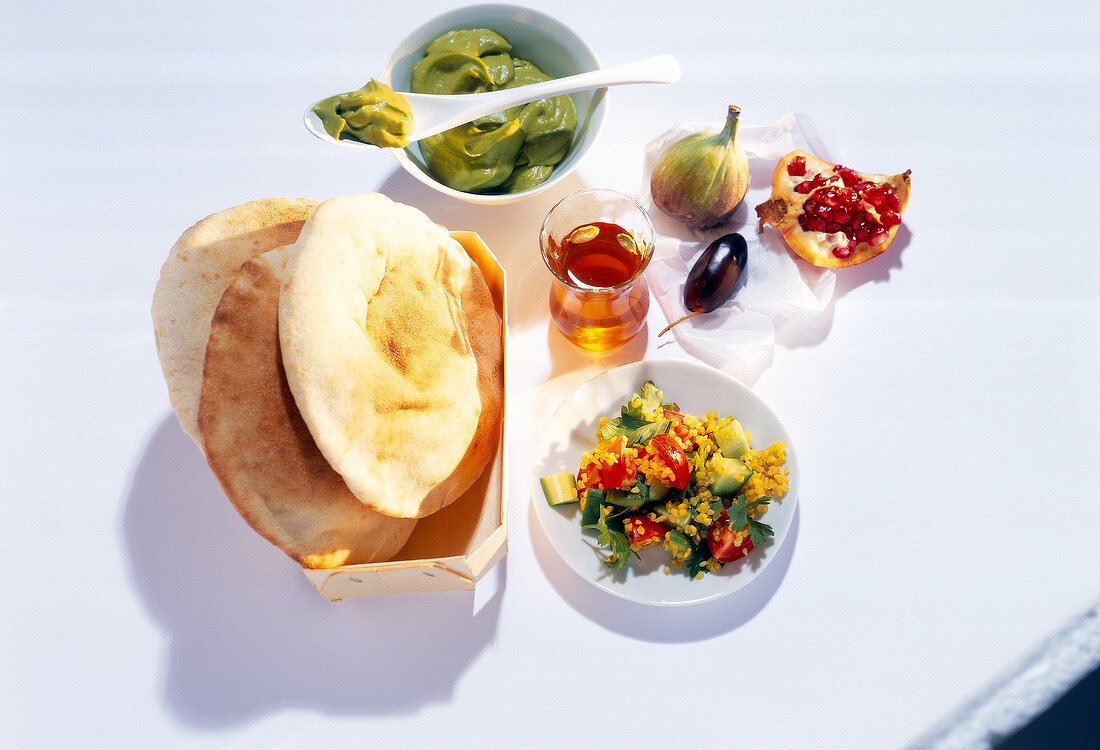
434	113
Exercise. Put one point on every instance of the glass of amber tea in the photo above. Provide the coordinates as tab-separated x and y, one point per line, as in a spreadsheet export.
596	244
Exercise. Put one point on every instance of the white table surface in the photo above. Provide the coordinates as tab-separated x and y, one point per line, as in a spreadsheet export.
944	406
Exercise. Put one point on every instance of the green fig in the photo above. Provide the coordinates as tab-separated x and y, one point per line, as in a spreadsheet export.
700	179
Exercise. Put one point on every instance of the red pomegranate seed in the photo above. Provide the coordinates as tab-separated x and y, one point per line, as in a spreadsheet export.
808	185
797	166
832	207
847	176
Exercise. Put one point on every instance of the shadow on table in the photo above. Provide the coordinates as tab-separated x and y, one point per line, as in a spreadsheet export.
249	635
812	331
661	624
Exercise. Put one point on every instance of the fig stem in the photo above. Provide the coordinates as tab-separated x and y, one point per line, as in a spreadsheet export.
681	320
729	132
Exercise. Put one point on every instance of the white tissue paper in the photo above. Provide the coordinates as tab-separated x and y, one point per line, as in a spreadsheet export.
775	286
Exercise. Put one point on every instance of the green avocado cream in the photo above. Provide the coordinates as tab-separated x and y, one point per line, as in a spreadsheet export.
505	152
374	114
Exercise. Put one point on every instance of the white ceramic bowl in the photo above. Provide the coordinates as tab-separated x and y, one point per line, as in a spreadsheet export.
556	49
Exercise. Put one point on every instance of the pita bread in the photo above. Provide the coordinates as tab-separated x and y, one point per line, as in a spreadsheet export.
199	267
259	447
392	349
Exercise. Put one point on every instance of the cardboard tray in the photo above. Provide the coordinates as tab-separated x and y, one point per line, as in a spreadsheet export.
453	548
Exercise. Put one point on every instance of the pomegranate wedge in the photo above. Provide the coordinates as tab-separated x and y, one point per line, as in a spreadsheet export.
831	215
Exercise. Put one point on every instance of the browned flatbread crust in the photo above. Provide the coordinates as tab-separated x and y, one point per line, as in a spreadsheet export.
483	330
260	448
393	351
199	267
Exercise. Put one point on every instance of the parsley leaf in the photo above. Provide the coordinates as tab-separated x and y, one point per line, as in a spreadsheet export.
638	431
697	553
759	532
646	403
697	560
640	418
643	435
621	425
614	539
739	518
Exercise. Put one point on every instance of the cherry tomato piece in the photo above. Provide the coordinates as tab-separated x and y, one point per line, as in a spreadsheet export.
673	455
643	530
612	477
588	476
675	416
616	476
722	540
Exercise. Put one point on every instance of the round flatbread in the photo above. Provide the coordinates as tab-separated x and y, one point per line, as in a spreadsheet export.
260	449
199	267
392	348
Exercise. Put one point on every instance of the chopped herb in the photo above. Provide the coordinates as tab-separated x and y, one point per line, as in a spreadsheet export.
614	539
739	518
697	561
644	491
621	425
643	435
677	542
638	431
640	419
646	403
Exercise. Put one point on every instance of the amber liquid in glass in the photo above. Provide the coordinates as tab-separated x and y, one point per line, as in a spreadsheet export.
602	309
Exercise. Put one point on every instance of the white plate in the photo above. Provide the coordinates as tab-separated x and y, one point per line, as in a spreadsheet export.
697	389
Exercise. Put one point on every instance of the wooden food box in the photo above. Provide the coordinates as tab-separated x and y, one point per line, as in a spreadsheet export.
453	548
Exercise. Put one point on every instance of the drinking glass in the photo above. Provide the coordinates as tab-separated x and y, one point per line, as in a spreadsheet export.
597	244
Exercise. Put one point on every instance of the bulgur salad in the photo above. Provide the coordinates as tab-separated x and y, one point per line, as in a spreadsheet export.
659	477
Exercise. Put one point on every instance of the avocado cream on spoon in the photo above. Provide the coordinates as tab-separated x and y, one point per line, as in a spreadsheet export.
433	113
